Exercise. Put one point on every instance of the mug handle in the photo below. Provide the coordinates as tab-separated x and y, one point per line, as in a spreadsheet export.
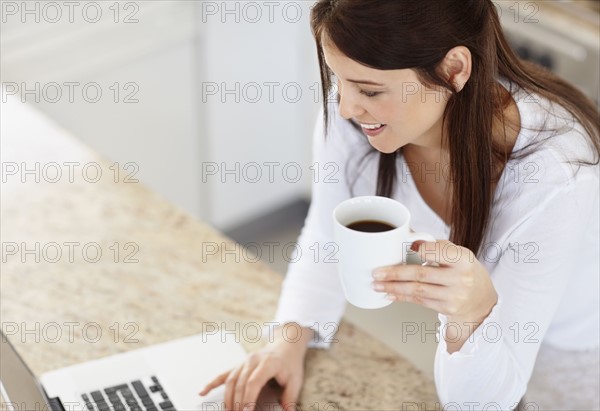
411	256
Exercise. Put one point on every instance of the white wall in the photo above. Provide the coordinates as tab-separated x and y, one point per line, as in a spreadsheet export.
174	134
266	133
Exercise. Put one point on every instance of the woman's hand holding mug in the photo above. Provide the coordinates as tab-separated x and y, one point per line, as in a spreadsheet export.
374	273
453	283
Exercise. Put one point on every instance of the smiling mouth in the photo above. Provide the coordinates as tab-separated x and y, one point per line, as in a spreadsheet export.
372	126
373	130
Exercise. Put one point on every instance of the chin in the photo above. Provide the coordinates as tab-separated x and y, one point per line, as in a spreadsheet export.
384	148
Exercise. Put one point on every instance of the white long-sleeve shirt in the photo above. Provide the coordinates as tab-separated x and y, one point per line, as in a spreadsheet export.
542	253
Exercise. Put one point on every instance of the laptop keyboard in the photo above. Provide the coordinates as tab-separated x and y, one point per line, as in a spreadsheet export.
135	396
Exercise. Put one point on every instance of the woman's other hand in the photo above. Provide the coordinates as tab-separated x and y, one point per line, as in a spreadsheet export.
281	359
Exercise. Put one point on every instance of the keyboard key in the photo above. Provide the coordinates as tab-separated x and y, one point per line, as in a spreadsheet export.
167	405
116	402
88	404
140	389
156	384
126	392
111	390
97	396
99	400
148	403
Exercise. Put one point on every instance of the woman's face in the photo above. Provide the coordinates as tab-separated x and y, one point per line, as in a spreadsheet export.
392	106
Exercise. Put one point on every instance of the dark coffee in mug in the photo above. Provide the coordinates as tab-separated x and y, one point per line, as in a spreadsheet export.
370	226
379	231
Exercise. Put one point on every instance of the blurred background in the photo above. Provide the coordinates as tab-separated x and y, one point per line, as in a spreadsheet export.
185	86
212	104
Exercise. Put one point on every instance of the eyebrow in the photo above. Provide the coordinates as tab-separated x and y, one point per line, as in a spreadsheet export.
372	83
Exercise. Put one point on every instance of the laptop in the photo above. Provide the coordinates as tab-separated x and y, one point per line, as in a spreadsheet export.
161	377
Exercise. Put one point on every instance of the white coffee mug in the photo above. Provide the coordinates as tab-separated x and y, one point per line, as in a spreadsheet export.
359	252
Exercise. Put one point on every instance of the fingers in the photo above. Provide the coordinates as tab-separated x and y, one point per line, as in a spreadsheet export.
436	305
255	383
291	392
219	380
412	291
244	385
444	252
230	385
239	388
413	272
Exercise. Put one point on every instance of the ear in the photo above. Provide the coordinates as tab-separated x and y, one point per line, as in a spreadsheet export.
456	66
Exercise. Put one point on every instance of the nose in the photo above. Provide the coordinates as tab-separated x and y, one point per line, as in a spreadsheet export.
349	108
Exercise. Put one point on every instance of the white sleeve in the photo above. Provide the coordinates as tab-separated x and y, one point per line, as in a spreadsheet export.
311	293
539	258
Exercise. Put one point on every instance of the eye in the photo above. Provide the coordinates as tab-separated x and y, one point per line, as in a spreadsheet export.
370	93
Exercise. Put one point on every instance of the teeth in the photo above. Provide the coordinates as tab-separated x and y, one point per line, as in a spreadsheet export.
371	126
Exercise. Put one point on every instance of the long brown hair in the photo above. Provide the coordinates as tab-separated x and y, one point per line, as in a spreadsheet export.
399	34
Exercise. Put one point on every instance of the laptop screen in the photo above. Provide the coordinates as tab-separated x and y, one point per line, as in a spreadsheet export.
20	389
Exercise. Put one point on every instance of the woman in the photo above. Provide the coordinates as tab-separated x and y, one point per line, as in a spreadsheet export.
496	158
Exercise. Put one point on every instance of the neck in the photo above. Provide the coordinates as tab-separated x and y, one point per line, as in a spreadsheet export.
427	148
428	155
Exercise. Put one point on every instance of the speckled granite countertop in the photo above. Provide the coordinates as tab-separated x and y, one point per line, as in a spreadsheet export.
160	285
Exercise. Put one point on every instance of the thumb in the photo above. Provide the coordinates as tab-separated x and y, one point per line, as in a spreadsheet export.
291	392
